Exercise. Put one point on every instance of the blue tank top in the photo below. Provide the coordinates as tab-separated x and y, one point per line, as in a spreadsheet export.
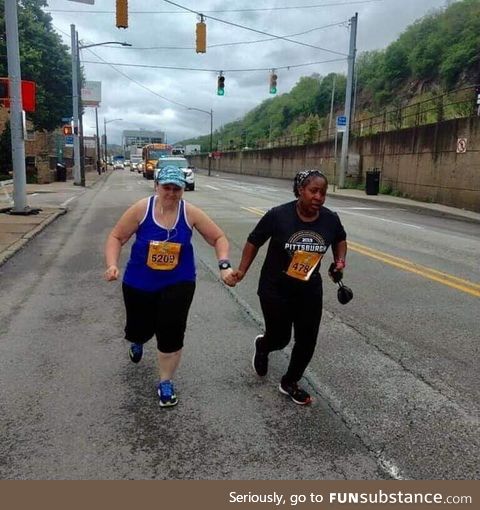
138	274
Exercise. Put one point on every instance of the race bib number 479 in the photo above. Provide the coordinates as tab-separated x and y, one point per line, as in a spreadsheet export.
163	256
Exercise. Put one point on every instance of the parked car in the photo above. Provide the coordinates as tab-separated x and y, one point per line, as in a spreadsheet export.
182	163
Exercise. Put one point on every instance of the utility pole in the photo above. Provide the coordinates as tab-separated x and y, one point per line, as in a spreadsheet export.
348	100
99	166
16	121
77	180
334	81
211	144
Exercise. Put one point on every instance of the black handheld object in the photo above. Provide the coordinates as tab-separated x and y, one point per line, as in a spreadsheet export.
344	293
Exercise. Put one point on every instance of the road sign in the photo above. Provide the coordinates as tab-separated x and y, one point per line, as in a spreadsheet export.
341	124
461	146
69	141
66	119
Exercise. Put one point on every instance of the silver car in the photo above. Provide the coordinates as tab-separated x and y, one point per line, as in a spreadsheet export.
182	163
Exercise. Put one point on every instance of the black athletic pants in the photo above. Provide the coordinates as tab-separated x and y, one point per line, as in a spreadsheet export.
280	314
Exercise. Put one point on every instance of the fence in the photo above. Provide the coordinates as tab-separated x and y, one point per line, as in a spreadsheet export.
455	104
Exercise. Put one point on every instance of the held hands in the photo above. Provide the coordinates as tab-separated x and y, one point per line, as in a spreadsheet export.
112	273
231	277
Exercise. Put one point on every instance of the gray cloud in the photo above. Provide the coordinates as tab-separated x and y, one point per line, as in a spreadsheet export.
380	22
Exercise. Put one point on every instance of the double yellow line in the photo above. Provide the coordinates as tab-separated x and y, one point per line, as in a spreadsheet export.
426	272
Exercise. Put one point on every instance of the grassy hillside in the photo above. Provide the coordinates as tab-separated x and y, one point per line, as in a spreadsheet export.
436	54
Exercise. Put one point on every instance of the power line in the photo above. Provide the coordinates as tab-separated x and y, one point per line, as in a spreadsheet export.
176	68
253	9
338	24
255	30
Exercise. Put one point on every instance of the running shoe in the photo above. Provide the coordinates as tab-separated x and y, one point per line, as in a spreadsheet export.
166	394
260	359
135	352
299	396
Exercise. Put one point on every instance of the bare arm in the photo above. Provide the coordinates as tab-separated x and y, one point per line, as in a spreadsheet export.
339	254
214	236
126	226
248	256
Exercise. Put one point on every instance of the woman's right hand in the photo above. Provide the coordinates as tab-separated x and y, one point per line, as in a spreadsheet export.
112	273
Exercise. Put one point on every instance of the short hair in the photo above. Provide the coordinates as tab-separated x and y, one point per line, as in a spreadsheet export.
303	178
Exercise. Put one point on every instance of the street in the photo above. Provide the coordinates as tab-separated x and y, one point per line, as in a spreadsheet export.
395	375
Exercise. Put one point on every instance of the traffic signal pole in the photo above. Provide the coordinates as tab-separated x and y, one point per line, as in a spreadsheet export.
348	100
16	121
77	180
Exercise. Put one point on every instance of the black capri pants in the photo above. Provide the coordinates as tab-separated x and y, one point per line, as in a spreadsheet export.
161	313
304	313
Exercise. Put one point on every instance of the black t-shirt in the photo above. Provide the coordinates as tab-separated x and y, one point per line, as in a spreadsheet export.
287	234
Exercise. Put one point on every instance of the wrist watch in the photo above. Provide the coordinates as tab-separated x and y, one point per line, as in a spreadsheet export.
224	264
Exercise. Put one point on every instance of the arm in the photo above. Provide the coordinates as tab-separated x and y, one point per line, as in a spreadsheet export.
127	225
248	256
214	236
339	254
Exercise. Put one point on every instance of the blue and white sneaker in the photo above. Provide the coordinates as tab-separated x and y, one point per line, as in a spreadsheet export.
136	352
166	394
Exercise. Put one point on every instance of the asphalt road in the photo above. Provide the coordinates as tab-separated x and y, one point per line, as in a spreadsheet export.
395	374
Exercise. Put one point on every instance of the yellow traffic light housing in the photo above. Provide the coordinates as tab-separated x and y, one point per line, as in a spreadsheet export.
201	41
122	13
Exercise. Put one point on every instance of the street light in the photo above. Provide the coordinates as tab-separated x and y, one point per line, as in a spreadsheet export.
79	168
211	136
105	122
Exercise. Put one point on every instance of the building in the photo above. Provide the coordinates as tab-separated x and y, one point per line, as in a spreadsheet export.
139	138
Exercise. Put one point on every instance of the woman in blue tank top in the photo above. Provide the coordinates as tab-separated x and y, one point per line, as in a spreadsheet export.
159	280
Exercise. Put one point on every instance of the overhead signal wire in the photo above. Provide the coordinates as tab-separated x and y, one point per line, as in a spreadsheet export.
339	24
255	30
252	9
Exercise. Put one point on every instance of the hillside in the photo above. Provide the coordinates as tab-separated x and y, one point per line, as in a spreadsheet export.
438	53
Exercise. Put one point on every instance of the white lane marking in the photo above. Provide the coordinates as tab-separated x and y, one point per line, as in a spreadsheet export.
212	187
383	219
33	194
64	204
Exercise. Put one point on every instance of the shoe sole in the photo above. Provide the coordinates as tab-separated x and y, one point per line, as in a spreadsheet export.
168	404
309	401
254	354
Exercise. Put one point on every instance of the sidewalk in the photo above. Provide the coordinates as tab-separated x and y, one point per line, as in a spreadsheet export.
17	230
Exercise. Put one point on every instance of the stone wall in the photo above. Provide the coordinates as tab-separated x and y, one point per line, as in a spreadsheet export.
422	162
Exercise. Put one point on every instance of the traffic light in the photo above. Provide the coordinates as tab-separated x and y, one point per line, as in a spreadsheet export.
67	130
221	85
273	83
4	88
122	13
201	37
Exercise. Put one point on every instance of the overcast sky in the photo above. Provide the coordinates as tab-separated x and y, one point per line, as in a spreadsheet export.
147	98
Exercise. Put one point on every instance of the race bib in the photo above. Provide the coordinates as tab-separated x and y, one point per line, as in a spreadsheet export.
303	264
163	256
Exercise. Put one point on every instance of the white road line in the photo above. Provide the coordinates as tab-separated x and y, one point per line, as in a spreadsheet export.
383	219
64	204
212	187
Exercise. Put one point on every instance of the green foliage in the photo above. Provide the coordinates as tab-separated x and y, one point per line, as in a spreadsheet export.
435	54
44	60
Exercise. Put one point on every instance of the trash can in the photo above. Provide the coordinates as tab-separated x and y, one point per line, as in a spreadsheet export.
372	181
61	172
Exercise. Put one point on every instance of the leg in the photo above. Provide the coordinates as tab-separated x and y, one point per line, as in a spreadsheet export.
167	364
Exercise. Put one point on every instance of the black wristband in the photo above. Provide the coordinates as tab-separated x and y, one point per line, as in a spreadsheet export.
224	264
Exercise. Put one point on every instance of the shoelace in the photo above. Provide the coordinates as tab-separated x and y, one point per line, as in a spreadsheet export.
166	389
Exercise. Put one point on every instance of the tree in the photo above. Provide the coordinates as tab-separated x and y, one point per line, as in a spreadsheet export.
44	60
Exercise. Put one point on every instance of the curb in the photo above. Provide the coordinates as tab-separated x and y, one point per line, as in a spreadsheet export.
418	207
18	245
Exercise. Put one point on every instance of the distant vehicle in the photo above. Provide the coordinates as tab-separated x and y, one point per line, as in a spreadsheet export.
192	149
151	153
118	165
178	151
182	163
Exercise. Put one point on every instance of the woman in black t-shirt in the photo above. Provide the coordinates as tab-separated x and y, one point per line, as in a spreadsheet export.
290	285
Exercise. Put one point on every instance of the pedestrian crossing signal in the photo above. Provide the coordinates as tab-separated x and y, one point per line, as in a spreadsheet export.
67	130
221	85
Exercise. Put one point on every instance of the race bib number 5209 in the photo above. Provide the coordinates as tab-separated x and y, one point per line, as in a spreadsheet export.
163	256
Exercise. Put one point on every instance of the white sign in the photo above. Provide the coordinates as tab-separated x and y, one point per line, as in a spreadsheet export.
341	124
69	141
461	146
92	93
89	2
